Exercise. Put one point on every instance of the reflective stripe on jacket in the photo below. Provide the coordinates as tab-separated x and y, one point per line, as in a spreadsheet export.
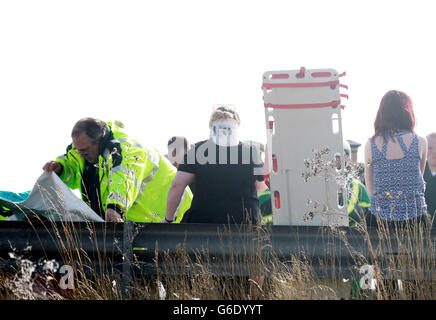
265	206
358	198
135	178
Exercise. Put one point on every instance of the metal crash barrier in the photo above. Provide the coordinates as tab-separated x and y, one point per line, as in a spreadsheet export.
136	249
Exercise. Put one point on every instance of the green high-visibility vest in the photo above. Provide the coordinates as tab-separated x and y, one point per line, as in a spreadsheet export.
359	198
1	216
135	178
265	206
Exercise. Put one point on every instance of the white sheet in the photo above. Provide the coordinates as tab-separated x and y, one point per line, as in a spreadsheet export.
51	198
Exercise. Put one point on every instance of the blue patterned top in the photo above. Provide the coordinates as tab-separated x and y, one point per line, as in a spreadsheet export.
398	192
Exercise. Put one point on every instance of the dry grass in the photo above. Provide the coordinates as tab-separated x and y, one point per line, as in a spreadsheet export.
184	277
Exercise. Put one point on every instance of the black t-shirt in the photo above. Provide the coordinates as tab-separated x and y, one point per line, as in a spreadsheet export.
224	182
91	188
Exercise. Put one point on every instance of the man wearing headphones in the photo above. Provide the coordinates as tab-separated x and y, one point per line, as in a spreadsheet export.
117	177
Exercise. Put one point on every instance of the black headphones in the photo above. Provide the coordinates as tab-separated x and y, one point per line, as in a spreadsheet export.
106	143
105	138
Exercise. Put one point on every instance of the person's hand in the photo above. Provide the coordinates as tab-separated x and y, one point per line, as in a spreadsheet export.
53	166
112	216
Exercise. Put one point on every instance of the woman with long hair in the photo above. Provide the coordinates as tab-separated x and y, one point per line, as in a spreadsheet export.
395	158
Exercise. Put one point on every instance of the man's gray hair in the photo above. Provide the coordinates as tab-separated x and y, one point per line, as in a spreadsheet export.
93	128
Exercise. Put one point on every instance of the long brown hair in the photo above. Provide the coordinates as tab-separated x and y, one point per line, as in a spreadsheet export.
395	114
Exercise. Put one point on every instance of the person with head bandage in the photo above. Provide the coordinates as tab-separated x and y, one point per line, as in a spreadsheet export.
227	174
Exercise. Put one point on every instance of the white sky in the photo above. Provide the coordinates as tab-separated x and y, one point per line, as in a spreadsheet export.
160	66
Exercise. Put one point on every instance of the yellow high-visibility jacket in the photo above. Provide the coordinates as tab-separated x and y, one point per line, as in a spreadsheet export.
1	216
135	178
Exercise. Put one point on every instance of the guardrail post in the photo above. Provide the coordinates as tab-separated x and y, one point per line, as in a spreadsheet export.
127	255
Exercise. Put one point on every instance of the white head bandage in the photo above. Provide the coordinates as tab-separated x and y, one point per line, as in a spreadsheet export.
225	132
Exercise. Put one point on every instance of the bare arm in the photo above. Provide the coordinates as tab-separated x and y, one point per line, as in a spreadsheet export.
180	182
260	186
368	168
